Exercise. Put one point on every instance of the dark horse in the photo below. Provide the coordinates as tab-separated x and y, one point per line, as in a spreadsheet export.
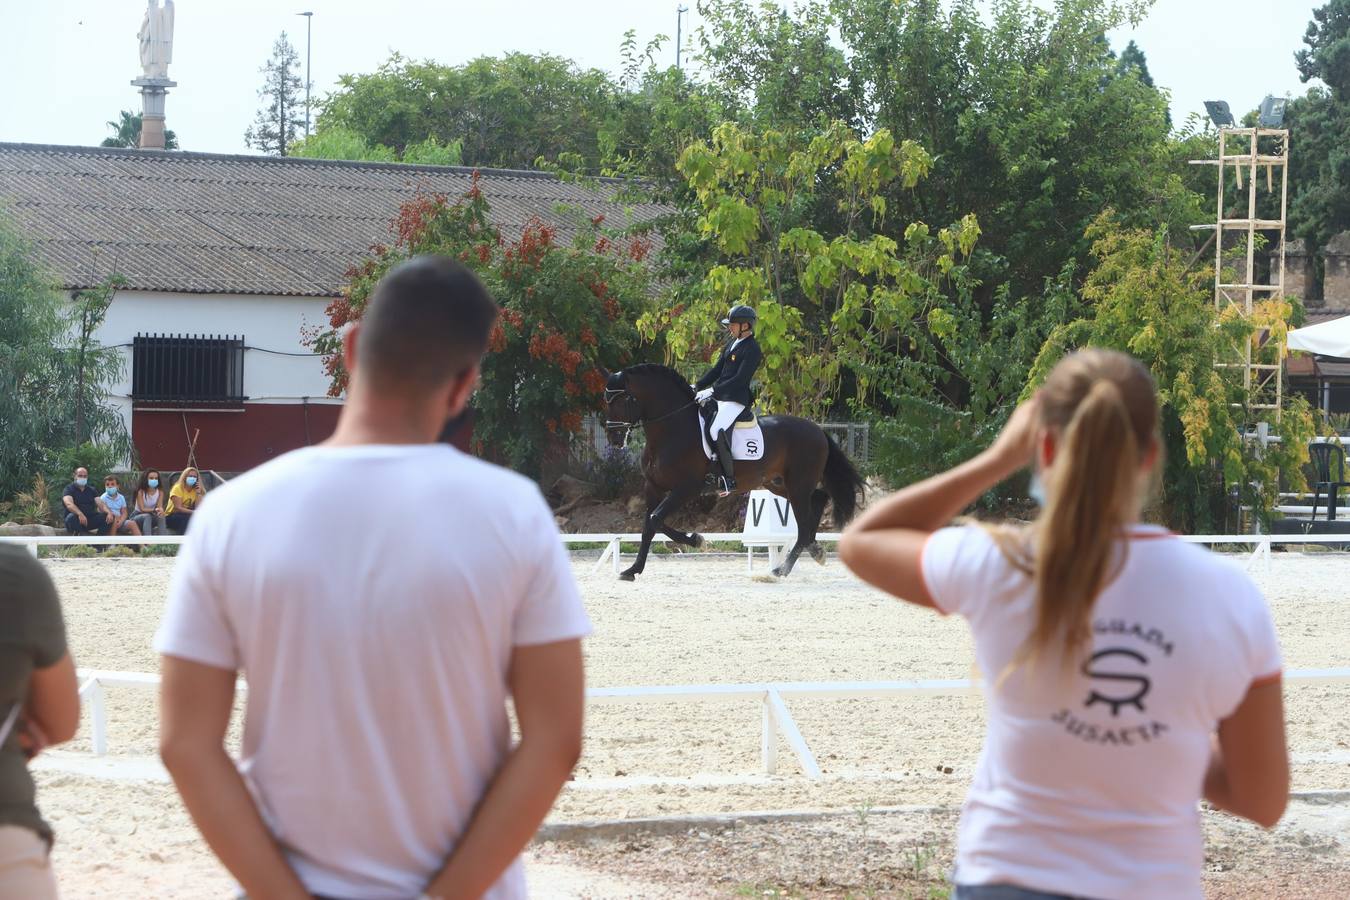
798	456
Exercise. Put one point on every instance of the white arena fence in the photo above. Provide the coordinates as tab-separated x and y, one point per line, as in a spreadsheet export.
777	545
775	717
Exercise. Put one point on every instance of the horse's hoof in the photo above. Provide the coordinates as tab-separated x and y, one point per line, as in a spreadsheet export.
781	571
628	576
818	554
697	541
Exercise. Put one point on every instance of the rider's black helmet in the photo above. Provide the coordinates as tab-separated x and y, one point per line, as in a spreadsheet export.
741	313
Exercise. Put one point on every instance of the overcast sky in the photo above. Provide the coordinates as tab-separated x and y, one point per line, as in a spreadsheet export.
65	64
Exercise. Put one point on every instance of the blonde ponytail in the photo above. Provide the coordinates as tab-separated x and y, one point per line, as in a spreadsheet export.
1103	407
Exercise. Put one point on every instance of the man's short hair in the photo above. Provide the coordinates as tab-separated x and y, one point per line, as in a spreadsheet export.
428	321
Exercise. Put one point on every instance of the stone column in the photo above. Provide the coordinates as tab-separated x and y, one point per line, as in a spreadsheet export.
1299	279
1336	280
152	110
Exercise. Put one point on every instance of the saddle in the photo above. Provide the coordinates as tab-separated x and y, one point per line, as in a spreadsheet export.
747	438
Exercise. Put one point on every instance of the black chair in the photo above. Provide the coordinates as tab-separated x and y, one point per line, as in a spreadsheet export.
1328	458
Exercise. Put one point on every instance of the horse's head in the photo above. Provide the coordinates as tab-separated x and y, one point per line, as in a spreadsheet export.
622	410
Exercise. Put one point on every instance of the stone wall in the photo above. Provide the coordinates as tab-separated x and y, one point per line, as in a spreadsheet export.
1336	271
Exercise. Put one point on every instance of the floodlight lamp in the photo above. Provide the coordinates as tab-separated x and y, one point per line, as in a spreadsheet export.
1219	113
1272	112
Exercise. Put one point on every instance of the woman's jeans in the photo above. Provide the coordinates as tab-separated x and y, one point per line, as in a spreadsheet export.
1002	892
150	523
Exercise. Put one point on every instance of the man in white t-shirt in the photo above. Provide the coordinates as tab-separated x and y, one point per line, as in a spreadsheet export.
380	651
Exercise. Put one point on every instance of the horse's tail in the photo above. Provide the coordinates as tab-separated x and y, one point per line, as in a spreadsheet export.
843	483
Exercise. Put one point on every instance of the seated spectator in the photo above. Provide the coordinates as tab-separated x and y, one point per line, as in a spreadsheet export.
112	503
147	506
39	706
81	502
186	493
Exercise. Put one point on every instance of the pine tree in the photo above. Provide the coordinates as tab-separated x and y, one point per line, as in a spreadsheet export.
279	119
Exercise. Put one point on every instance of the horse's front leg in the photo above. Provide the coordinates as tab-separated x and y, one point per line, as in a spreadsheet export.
653	523
654	496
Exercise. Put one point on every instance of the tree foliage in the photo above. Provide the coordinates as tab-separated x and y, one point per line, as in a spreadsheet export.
44	378
342	143
280	118
1319	166
1143	298
127	132
567	308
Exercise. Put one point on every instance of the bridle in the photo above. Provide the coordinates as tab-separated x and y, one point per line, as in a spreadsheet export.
612	394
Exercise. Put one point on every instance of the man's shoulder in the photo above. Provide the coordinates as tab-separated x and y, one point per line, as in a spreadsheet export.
489	477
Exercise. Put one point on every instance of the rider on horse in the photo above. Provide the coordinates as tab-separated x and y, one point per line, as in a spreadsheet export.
728	383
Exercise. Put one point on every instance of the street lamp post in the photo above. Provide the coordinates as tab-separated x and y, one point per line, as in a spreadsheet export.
309	24
679	32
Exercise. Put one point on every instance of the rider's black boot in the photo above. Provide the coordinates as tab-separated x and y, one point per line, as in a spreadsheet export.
726	484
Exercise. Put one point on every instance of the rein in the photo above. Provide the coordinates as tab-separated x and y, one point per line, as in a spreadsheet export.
615	423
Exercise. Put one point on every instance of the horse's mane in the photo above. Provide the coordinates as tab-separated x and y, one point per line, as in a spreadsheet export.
665	373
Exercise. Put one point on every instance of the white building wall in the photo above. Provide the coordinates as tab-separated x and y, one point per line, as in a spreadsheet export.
265	322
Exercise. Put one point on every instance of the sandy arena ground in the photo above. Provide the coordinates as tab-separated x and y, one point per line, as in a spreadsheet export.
697	620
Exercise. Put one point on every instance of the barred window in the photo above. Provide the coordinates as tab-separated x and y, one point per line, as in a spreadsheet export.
180	369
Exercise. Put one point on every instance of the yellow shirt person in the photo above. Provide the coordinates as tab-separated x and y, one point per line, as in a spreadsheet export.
186	493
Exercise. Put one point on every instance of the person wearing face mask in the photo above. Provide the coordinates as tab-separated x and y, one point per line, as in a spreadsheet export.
112	503
1127	674
147	508
81	504
184	497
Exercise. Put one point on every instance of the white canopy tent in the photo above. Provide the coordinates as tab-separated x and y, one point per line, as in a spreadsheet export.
1331	338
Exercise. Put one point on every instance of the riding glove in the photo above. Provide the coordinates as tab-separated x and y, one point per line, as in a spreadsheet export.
704	396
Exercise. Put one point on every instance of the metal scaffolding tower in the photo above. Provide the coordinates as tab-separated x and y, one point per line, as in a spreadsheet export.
1261	360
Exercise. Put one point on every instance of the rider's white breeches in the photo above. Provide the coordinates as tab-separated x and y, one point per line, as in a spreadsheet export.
727	411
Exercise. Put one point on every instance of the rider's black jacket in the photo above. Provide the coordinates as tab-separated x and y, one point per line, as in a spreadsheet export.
730	378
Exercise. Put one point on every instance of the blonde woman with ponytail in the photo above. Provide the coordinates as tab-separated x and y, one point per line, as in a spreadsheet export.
1128	674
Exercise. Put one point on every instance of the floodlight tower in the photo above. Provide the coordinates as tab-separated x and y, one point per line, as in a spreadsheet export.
1262	380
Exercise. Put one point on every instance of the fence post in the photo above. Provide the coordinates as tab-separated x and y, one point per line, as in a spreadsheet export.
32	548
779	711
768	741
614	555
98	716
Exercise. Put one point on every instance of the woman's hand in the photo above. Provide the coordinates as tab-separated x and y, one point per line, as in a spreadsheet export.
1015	446
32	740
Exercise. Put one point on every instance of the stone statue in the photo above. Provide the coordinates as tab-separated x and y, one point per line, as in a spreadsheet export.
156	37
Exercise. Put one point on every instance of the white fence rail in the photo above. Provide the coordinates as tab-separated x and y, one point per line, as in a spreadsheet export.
614	542
775	717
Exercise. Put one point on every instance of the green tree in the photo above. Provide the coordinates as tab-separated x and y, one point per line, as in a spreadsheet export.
835	307
342	143
1319	165
279	120
566	310
1143	298
507	112
127	132
1031	126
45	382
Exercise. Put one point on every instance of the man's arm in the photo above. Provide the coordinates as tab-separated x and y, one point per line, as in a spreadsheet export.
69	502
548	689
195	703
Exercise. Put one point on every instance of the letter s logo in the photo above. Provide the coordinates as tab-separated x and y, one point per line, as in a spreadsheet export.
752	446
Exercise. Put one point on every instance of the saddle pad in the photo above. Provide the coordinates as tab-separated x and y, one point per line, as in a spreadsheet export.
747	441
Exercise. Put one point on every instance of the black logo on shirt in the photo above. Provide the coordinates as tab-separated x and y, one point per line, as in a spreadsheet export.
1118	678
1133	690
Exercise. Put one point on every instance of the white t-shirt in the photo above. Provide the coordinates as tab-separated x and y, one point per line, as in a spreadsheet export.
1089	781
376	642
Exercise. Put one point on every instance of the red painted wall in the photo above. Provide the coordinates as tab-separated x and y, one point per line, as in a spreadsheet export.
230	441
